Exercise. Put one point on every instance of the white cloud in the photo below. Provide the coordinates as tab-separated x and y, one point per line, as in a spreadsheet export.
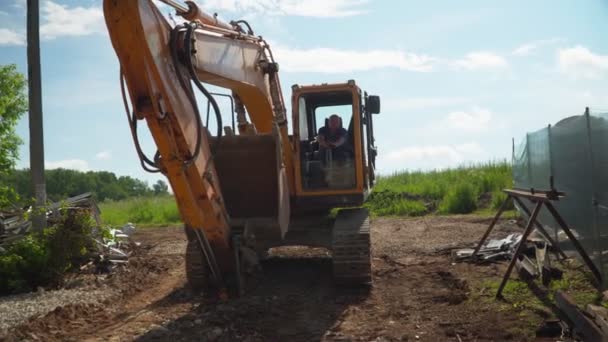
475	120
10	37
308	8
417	103
73	164
531	47
20	3
330	60
431	156
580	62
62	20
104	155
480	60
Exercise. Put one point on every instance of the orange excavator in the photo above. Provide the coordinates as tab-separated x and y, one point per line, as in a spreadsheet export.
244	189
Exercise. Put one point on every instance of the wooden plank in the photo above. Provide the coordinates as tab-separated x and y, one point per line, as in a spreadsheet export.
599	314
584	325
536	196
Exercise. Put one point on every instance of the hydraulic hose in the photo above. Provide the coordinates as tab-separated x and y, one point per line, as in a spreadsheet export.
147	164
197	82
189	29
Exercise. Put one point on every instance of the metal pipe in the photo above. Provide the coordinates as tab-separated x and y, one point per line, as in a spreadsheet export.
179	8
194	13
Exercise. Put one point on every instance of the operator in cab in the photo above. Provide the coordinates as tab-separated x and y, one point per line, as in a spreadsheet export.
332	139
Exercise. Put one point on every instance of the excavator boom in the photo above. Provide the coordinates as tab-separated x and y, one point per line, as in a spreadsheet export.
141	37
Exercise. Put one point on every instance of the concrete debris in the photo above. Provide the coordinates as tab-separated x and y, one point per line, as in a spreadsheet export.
599	315
584	323
493	250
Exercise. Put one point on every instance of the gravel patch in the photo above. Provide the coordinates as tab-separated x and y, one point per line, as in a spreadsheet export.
17	309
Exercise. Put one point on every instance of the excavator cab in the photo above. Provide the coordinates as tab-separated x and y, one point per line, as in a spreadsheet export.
333	177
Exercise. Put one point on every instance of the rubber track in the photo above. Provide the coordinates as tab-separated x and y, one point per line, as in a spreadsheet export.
197	271
351	247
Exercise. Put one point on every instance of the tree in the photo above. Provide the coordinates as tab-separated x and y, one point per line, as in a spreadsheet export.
13	104
160	188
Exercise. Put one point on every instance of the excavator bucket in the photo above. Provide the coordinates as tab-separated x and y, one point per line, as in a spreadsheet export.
252	180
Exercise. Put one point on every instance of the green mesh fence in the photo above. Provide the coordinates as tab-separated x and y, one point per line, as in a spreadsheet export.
575	152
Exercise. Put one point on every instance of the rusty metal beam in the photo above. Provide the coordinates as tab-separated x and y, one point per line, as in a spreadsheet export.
491	227
520	248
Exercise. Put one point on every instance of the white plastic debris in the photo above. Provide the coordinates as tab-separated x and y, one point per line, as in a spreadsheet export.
493	249
128	229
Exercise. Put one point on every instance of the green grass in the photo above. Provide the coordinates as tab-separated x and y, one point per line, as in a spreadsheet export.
460	199
453	191
161	210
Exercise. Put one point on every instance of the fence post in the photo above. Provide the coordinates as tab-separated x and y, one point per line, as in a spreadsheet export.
528	161
512	150
594	203
552	169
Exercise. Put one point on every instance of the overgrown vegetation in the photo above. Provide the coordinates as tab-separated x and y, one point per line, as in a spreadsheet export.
454	191
461	199
41	259
160	210
13	104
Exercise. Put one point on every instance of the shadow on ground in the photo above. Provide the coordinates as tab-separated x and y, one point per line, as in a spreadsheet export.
295	299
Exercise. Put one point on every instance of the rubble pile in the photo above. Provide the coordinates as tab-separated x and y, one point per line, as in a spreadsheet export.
14	224
111	252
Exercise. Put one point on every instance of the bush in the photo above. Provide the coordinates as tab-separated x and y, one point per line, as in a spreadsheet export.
385	203
461	199
42	259
498	197
403	208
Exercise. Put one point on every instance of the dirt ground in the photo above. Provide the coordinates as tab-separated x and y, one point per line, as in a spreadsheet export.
418	293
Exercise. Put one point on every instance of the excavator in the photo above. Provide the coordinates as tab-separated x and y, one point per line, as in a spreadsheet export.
243	189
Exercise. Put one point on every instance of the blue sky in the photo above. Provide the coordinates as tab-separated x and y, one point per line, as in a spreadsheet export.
458	79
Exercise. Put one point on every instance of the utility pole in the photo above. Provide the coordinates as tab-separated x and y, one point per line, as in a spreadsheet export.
35	114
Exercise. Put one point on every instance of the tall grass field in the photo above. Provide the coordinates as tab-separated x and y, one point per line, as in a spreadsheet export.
460	190
157	210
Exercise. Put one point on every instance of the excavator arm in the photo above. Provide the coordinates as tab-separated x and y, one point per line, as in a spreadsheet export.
244	63
157	64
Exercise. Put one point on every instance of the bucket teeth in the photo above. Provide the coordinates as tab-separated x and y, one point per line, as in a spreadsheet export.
351	247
